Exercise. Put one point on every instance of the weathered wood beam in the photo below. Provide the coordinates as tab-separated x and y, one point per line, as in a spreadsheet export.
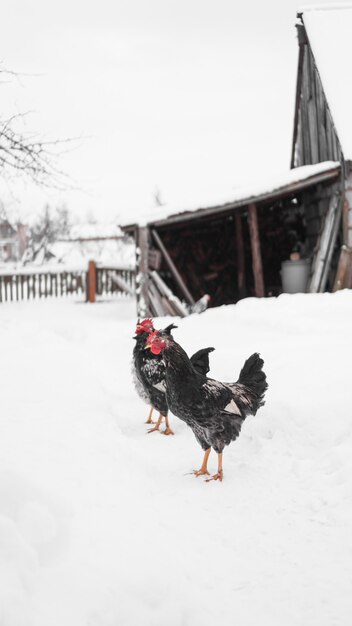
172	267
306	93
241	264
175	303
322	258
322	123
256	251
302	42
156	300
312	113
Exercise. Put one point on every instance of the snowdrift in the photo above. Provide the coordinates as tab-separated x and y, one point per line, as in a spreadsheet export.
102	525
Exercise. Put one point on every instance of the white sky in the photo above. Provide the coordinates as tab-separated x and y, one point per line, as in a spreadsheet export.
334	65
185	96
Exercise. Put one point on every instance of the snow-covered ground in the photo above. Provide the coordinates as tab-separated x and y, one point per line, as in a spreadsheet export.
102	525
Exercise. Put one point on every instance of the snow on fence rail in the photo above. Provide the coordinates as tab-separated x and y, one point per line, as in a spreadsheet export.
109	282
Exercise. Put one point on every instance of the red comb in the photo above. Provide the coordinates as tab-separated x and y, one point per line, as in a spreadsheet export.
145	326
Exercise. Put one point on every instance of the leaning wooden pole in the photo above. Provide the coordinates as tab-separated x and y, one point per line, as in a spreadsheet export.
256	251
173	269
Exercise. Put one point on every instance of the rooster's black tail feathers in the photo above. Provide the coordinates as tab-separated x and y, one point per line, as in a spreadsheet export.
200	360
254	379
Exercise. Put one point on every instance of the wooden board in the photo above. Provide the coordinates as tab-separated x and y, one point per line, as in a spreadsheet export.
343	278
325	247
256	251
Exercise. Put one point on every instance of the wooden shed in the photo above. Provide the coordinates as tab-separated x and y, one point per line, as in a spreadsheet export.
234	246
231	248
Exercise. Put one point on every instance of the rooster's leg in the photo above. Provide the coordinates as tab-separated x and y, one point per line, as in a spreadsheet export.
220	474
167	430
204	469
149	420
156	427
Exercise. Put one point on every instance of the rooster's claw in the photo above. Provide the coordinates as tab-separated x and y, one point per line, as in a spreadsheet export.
167	431
218	476
152	430
200	472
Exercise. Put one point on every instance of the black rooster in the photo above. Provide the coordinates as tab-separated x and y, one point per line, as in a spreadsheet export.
148	371
214	410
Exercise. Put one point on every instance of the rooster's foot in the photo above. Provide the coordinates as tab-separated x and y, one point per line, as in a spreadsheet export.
149	420
218	476
153	430
200	472
156	427
167	431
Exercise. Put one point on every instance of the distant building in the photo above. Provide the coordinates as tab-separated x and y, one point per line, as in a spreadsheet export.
13	241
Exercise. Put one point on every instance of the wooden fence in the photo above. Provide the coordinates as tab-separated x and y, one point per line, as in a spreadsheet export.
109	282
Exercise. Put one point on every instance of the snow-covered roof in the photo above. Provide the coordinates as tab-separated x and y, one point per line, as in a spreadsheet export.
329	30
92	230
280	182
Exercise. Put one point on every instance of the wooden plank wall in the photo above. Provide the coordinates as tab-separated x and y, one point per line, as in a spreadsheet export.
315	136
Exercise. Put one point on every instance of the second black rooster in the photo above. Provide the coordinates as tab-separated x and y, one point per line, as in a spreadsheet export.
148	371
215	411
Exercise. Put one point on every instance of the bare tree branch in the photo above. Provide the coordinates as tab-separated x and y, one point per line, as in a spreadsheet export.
26	155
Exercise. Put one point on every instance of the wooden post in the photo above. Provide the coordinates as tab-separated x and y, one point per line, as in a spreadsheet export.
241	264
256	251
142	276
91	281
